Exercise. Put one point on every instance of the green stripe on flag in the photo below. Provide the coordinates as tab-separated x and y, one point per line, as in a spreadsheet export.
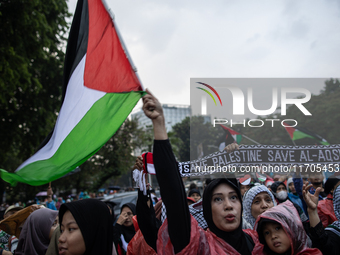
238	139
299	135
97	126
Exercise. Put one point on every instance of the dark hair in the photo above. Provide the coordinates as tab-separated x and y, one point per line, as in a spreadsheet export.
193	191
192	186
207	181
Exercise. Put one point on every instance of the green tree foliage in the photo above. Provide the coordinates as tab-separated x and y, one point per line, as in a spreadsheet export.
182	132
31	66
32	35
195	132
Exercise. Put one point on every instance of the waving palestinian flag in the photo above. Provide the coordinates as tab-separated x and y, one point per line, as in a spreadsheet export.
100	90
296	133
230	136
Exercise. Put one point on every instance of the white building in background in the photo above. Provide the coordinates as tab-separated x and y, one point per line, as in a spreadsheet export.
173	114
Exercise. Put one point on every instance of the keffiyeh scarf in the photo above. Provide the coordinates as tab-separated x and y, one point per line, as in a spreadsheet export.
335	226
248	201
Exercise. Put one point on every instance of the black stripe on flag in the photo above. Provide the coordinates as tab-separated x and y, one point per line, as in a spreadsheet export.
76	48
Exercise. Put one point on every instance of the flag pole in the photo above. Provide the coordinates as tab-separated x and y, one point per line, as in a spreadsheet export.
134	68
251	139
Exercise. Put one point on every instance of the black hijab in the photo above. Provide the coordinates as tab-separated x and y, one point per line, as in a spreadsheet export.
274	187
94	220
128	232
237	238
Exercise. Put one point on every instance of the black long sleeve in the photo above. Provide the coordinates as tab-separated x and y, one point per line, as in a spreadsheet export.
117	231
326	241
173	194
147	221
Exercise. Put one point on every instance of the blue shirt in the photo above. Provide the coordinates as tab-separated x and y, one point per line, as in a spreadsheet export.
51	205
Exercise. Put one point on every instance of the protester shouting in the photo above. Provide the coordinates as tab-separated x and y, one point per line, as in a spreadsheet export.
222	205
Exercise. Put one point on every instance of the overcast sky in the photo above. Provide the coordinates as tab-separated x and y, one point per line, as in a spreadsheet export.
173	41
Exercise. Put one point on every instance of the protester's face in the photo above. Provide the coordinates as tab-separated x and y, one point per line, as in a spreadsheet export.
225	208
276	238
281	188
195	196
55	224
71	241
244	189
316	178
261	203
292	187
128	222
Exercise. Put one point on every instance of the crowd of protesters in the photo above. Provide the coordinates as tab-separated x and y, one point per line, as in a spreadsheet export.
286	214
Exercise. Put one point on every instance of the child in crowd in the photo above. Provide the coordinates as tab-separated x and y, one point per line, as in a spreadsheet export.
281	231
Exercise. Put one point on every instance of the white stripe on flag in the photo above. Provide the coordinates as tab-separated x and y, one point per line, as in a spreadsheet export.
78	101
151	168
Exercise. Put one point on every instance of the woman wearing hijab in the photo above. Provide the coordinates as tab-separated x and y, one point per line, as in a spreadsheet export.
326	240
123	230
222	206
37	231
53	247
280	193
256	201
86	228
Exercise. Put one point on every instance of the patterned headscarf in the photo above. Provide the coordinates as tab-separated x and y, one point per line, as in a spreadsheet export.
335	227
248	201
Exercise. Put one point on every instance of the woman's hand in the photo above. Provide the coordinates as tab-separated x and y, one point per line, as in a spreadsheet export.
153	110
139	163
312	203
152	107
311	200
122	218
232	147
